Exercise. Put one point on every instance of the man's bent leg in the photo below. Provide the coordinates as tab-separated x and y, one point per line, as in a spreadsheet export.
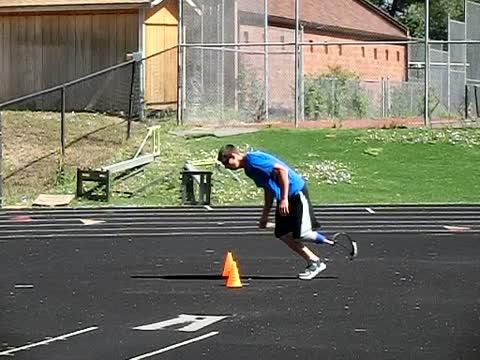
299	248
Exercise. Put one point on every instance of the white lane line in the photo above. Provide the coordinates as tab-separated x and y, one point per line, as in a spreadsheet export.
174	346
45	342
23	286
208	208
370	210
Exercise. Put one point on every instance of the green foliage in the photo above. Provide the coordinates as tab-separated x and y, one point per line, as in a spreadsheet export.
406	100
412	14
336	94
413	17
250	94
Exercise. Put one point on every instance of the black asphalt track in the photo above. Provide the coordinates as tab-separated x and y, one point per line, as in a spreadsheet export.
74	288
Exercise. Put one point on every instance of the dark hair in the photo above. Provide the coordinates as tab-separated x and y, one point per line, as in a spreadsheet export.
226	151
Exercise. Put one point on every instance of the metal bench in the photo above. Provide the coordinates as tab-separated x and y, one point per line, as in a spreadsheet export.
191	177
104	176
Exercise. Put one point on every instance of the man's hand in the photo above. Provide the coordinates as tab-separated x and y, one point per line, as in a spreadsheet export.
283	207
262	224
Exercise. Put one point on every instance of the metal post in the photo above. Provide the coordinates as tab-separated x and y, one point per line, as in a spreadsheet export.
301	95
465	49
62	123
184	73
218	57
266	59
476	101
202	54
383	97
426	114
236	57
1	162
449	77
222	66
387	97
297	25
130	102
180	64
411	100
466	102
141	64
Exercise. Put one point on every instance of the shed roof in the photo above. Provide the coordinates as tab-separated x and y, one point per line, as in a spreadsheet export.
335	15
34	5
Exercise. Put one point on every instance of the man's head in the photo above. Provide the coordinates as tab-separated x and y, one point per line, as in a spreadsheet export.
230	157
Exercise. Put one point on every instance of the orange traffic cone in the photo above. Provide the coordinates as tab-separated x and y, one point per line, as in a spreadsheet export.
227	264
233	280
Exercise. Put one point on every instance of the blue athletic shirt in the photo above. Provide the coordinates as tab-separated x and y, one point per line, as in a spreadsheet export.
259	167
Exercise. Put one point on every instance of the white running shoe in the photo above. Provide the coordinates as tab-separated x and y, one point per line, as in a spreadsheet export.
312	270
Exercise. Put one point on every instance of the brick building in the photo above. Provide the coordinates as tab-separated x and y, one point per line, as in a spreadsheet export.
336	21
329	21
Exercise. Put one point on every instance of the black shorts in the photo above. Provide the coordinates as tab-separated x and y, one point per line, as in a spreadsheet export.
300	217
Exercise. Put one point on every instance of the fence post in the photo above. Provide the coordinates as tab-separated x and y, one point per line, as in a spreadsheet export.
266	60
301	89
130	100
426	114
388	103
62	122
1	161
477	111
466	102
297	65
383	97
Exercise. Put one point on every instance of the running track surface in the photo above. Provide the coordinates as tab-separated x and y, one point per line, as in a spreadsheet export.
144	283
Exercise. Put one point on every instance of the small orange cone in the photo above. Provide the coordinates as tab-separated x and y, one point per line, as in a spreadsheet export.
228	264
233	280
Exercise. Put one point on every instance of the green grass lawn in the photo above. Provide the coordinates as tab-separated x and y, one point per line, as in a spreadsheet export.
441	168
342	166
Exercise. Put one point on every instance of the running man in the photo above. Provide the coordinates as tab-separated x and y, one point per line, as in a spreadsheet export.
294	217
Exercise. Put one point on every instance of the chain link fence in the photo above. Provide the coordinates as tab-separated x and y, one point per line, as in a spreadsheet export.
45	134
240	67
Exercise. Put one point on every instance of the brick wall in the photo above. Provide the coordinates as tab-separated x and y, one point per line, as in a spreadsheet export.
370	62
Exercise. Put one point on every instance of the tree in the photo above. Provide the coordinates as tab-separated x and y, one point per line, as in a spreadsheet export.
412	14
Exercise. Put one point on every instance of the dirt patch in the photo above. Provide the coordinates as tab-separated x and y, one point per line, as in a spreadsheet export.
32	148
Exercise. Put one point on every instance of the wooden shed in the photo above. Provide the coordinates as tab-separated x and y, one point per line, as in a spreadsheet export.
47	42
161	40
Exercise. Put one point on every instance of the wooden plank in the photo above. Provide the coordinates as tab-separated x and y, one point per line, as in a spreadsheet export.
3	69
110	47
113	78
50	58
161	35
83	59
70	47
37	44
6	52
121	41
131	21
170	69
83	45
99	39
28	54
67	54
15	58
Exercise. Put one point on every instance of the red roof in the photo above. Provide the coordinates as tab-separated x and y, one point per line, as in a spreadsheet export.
358	16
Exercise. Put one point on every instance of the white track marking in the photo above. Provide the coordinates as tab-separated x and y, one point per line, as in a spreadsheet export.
23	286
45	342
456	228
91	222
208	208
174	346
370	210
194	323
